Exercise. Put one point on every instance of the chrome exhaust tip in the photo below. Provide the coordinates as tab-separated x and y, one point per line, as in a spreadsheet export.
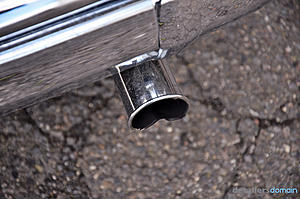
169	107
149	93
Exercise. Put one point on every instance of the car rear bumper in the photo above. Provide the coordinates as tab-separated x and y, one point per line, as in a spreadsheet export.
45	56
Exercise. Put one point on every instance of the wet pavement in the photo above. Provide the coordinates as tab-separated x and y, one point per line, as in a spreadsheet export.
242	130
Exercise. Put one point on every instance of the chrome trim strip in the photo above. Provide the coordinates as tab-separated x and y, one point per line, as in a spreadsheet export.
11	4
17	15
26	11
52	21
74	31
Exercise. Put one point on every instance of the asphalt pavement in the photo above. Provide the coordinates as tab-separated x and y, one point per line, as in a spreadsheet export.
240	135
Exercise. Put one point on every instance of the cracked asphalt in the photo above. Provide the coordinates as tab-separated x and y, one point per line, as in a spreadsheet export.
242	130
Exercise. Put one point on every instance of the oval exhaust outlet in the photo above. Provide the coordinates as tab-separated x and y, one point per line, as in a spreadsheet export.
149	93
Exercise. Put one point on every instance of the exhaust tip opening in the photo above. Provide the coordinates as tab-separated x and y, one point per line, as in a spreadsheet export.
167	107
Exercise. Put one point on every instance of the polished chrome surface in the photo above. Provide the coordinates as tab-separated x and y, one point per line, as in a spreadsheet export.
166	1
171	98
33	77
60	36
11	4
25	11
73	49
16	15
149	93
57	23
159	54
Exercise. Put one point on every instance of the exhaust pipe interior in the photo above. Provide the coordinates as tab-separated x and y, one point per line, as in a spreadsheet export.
149	93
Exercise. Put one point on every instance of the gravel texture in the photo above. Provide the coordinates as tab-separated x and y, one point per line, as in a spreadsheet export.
242	130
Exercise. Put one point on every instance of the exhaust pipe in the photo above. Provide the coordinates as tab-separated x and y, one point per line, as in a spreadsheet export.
149	93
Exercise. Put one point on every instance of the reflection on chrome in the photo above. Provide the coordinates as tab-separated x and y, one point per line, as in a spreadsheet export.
11	4
25	11
16	15
82	21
